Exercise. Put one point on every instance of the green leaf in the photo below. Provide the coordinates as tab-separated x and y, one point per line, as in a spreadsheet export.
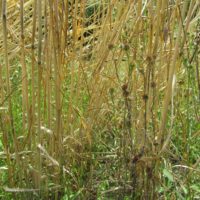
195	188
168	174
74	196
184	189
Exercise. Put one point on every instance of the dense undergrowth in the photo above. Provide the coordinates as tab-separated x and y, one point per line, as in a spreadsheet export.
99	99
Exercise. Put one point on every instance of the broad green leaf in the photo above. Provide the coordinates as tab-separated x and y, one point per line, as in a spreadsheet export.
168	174
184	189
195	188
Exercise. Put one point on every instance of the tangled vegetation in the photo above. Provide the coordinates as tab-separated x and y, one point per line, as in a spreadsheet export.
99	99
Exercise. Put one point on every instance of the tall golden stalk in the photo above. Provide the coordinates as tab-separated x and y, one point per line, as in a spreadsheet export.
8	89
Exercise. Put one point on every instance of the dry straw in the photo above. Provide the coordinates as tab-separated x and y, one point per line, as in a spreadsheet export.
81	79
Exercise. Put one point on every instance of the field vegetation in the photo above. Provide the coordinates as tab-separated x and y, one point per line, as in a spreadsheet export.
99	99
